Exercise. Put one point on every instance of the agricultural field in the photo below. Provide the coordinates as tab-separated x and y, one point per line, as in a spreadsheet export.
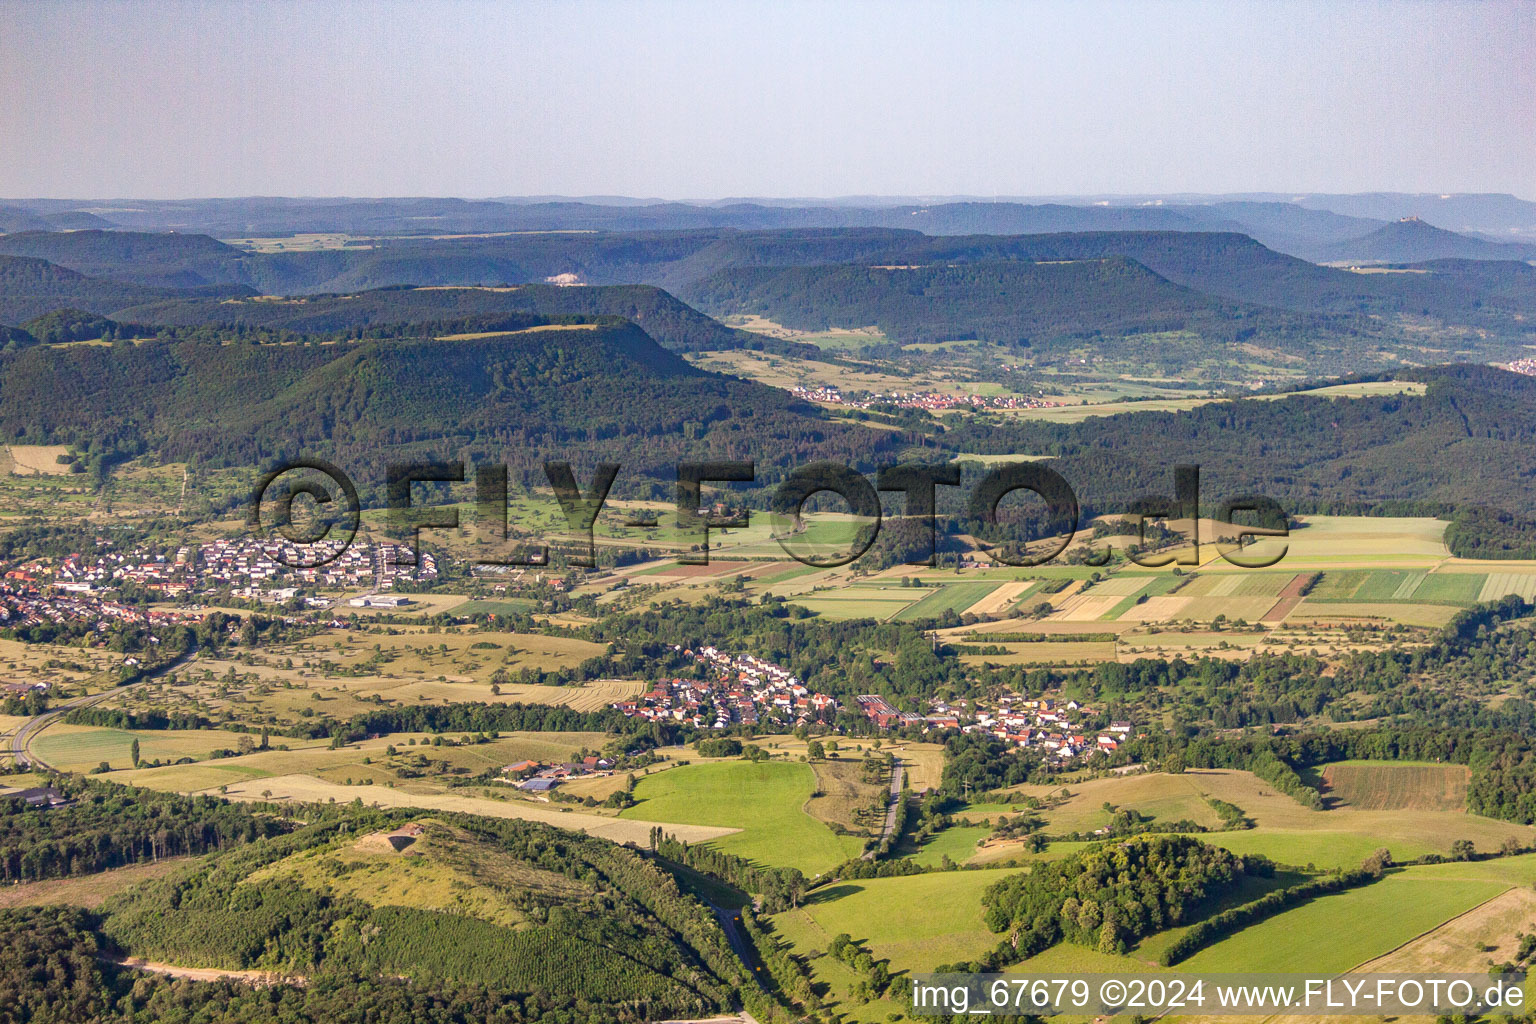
1335	933
1501	584
81	748
918	921
1373	786
956	597
849	604
36	459
765	800
1322	542
1049	652
1285	831
1387	586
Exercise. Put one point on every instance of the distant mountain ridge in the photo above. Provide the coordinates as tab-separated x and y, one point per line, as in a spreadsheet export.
1244	289
674	324
1289	222
1412	240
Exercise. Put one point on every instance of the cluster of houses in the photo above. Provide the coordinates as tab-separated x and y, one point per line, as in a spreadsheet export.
22	603
933	401
1060	728
325	564
742	689
878	710
739	689
538	777
248	568
1525	366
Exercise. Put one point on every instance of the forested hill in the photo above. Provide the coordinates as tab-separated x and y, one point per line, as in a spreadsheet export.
1412	240
1010	302
488	919
580	390
30	288
1223	264
674	324
1228	266
1470	439
167	260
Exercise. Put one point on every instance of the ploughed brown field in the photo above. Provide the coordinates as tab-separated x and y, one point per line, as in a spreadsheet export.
1393	787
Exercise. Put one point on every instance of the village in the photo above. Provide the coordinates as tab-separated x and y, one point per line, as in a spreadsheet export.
933	401
1059	728
257	570
744	690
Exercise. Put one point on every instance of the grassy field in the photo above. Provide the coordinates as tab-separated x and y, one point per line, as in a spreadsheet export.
917	921
766	800
79	748
1334	933
89	891
1154	794
958	843
844	799
955	597
307	789
431	767
343	674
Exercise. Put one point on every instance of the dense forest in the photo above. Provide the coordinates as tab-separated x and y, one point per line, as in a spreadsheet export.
1011	303
673	324
1467	440
1109	896
105	827
1480	532
520	398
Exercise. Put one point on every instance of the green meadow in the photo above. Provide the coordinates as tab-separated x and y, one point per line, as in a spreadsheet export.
764	799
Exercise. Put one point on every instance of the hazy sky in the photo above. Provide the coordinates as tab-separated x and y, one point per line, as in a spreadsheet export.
729	98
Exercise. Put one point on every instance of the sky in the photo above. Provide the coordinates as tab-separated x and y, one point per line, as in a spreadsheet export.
701	101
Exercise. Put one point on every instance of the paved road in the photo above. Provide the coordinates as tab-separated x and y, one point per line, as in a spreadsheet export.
898	776
730	923
29	729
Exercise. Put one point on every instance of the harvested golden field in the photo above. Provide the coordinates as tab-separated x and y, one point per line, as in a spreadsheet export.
1001	599
1373	786
1048	652
38	459
1465	943
307	789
